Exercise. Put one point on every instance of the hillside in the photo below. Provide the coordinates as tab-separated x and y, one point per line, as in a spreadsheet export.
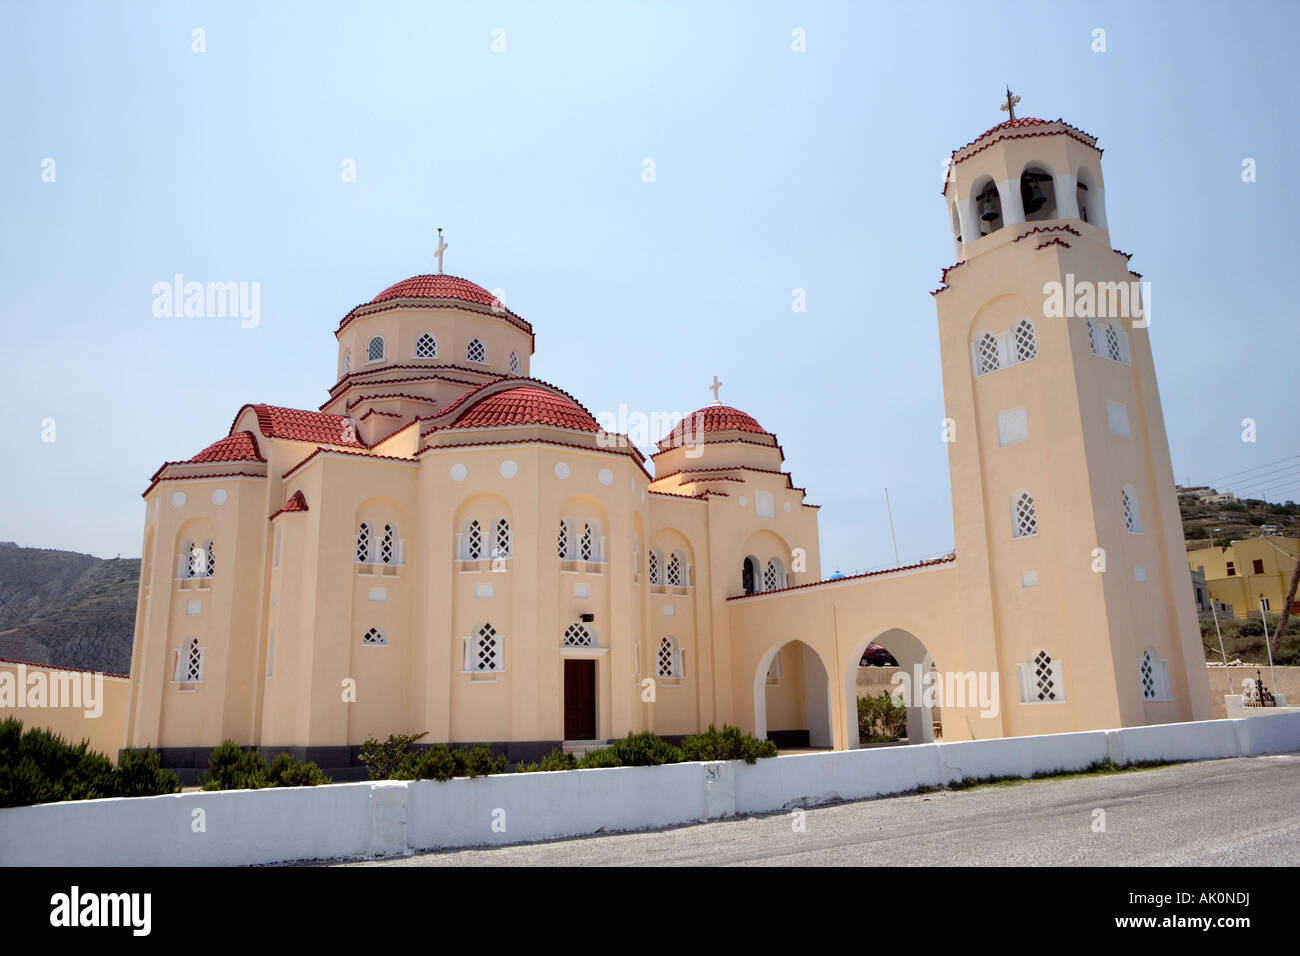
61	607
1205	516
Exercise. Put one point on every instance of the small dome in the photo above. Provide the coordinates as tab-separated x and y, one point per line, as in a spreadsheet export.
715	418
527	406
237	447
437	287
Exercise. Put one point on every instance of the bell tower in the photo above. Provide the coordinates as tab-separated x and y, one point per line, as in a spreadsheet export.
1074	584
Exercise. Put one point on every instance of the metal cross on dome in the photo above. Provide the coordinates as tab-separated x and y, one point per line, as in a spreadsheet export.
714	388
1010	105
442	247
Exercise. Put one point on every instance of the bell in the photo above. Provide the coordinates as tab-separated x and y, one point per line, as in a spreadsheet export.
988	211
1032	195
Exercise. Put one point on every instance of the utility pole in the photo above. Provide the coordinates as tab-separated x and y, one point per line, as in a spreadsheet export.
1285	610
889	509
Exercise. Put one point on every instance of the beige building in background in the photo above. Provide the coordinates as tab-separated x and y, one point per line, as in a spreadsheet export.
448	545
1248	570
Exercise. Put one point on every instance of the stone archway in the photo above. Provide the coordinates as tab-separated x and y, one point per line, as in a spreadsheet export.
792	697
913	658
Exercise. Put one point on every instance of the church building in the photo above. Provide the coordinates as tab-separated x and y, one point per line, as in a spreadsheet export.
449	545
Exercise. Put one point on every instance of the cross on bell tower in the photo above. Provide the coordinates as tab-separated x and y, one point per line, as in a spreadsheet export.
714	388
1009	106
442	247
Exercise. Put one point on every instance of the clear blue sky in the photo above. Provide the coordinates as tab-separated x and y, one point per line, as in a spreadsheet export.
775	170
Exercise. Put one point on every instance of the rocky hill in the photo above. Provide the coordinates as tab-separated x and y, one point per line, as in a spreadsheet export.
1208	514
61	607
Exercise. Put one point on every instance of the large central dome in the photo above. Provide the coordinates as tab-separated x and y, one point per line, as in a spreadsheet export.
437	287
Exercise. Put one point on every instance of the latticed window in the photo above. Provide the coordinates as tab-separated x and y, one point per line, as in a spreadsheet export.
189	662
375	351
653	565
1026	348
1092	337
1044	677
347	361
585	544
386	552
562	540
1147	669
666	660
363	543
1025	522
514	363
502	547
675	571
988	353
210	559
487	649
1113	349
476	352
1132	518
473	541
577	635
771	577
374	638
426	347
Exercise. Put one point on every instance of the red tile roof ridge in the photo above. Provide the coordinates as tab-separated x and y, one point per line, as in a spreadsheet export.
1063	227
389	397
946	559
296	502
238	446
1058	241
155	480
274	421
374	308
630	450
356	378
60	667
1002	133
347	453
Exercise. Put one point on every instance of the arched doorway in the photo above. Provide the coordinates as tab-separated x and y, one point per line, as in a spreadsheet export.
792	697
913	659
749	575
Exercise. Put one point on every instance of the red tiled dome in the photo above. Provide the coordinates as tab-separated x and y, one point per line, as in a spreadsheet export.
237	447
716	418
527	406
437	287
1014	124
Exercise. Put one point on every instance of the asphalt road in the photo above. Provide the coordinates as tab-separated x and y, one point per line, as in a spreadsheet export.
1221	812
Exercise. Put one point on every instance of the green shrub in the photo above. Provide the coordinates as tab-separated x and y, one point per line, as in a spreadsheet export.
645	750
285	771
230	767
478	762
140	773
555	760
384	758
730	743
880	719
433	763
600	757
37	766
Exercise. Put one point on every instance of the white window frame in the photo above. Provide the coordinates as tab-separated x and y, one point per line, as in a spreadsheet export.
1015	516
515	365
1130	505
469	351
471	651
1013	426
1117	418
1027	673
187	652
370	348
678	672
1159	676
420	340
378	632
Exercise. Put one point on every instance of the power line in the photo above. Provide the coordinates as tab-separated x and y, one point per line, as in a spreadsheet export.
1264	481
1256	468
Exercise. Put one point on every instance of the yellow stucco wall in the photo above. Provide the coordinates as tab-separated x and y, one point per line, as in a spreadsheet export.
1275	559
94	711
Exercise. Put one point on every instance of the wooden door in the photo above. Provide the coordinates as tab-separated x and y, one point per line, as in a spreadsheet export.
579	700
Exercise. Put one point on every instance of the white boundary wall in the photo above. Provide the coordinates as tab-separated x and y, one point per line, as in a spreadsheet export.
393	818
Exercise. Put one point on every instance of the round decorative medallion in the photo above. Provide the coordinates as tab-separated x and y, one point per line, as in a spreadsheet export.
458	472
509	469
178	499
561	470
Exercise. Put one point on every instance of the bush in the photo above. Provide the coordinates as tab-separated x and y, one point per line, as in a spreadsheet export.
382	759
555	760
645	750
230	767
433	763
140	773
600	757
37	766
478	762
880	719
730	743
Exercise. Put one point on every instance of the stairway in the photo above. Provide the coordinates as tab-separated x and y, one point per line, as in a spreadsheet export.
579	748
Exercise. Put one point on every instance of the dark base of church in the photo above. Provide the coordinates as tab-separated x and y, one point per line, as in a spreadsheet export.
343	764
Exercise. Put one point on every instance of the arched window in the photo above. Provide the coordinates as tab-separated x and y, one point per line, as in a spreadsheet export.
189	662
986	352
426	347
501	543
1024	522
774	575
374	638
577	635
1113	350
1041	681
485	651
514	363
1038	194
564	541
1092	338
749	576
209	560
363	543
1023	334
387	546
656	567
375	351
1153	672
476	352
668	659
586	546
1132	514
674	574
347	361
473	540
